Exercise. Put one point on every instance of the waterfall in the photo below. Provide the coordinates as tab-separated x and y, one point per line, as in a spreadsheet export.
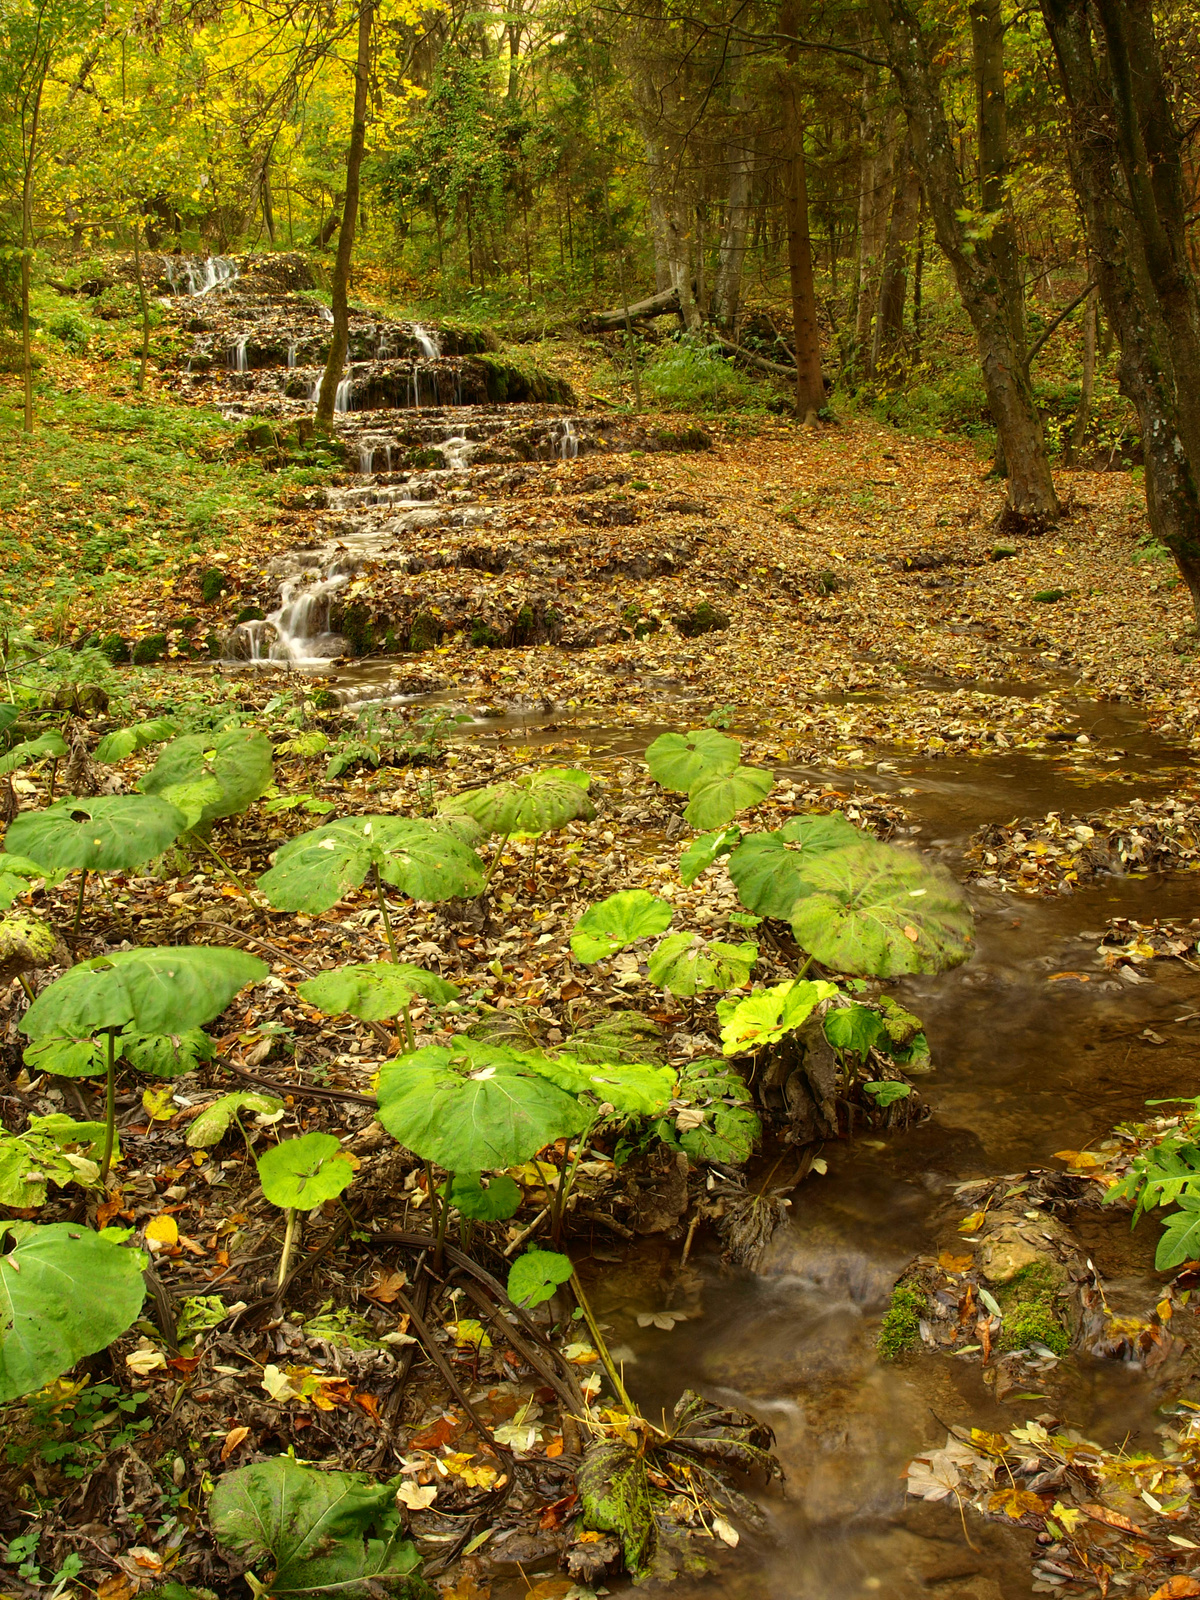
296	633
416	387
291	355
344	399
366	457
457	451
198	277
383	350
430	345
568	444
237	354
325	314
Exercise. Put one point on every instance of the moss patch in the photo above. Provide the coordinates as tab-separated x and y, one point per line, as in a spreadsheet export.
901	1326
1031	1314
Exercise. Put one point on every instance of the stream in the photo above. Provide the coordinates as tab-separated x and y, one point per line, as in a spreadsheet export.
1036	1048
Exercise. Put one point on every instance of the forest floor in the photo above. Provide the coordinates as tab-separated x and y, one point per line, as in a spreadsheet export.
837	596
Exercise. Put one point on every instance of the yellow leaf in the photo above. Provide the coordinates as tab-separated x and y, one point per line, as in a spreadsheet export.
973	1223
159	1103
162	1231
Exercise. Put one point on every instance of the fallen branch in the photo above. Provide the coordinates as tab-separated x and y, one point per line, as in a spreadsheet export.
657	305
775	367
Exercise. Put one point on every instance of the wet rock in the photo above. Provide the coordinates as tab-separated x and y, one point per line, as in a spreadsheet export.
27	945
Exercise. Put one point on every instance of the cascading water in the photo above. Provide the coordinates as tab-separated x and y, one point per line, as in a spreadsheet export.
237	354
297	633
568	444
344	399
428	341
291	355
366	456
325	314
198	277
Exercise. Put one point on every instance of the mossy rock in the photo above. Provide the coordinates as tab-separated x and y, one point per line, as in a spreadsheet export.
152	648
115	648
424	633
483	636
1031	1314
682	439
212	585
1047	597
250	614
702	618
358	630
425	459
324	700
1002	552
900	1329
81	699
258	436
27	945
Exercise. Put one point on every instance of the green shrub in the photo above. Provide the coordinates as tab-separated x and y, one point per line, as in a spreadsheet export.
69	328
696	376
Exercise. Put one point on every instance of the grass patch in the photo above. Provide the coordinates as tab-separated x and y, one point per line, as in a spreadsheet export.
901	1326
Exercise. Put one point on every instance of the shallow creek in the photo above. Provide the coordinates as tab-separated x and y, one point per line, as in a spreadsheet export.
1028	1062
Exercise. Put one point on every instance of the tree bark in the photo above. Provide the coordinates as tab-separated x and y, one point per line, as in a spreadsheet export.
876	155
979	276
739	155
1087	387
30	124
893	279
345	251
1126	159
806	332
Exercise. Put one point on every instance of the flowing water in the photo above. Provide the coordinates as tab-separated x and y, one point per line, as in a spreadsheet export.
1030	1059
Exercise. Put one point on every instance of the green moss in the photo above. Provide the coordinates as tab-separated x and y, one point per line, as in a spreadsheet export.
115	648
901	1326
424	633
152	648
212	584
1031	1314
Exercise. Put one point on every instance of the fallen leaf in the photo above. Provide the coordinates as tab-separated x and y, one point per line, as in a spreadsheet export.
1016	1503
1114	1519
417	1497
117	1586
386	1287
159	1104
973	1223
145	1361
1183	1584
162	1232
437	1434
233	1438
661	1319
949	1262
725	1531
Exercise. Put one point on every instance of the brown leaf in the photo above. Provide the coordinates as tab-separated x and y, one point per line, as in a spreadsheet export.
117	1586
386	1286
1114	1519
1177	1588
233	1438
439	1433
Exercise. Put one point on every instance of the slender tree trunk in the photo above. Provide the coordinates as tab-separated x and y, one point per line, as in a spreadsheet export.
30	124
893	279
806	332
268	208
979	277
1087	386
143	304
1125	152
345	251
876	156
739	155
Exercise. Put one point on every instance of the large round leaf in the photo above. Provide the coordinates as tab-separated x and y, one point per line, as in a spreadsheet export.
880	911
678	760
65	1292
763	1018
306	1171
534	804
374	990
237	761
713	801
684	964
153	990
634	1088
770	877
424	860
622	919
103	835
473	1106
16	875
495	1203
704	850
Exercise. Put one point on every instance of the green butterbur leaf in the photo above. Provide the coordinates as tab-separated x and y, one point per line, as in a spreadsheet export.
375	990
684	964
634	1089
473	1107
46	745
319	1533
535	1276
109	834
167	1055
854	1028
211	1126
238	763
127	741
424	860
496	1202
679	760
151	990
305	1172
65	1292
876	910
765	1017
16	875
702	852
715	800
620	920
887	1092
535	804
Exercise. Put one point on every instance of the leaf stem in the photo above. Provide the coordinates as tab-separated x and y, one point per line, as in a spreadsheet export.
565	1180
110	1102
602	1348
83	878
288	1239
435	1218
391	937
409	1036
443	1219
221	862
495	862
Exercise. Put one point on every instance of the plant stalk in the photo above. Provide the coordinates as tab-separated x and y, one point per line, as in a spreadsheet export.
221	862
110	1104
391	939
495	863
410	1037
601	1347
288	1240
443	1219
435	1216
83	878
565	1180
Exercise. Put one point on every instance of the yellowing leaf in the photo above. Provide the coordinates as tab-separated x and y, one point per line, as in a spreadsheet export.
162	1232
159	1104
973	1223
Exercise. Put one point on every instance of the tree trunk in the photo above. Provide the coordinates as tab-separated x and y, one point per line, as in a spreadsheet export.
1126	162
739	155
142	302
893	279
876	155
341	268
979	277
806	332
268	209
30	123
1087	387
